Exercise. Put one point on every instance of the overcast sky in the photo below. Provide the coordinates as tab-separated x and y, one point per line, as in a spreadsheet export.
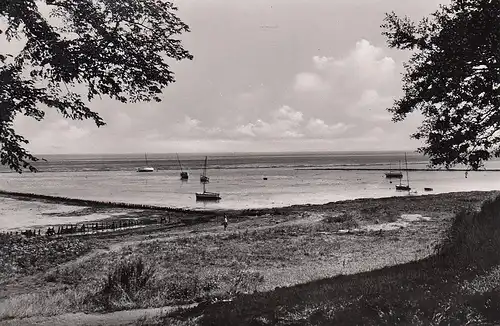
268	75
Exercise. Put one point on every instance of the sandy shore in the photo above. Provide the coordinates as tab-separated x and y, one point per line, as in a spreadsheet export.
265	248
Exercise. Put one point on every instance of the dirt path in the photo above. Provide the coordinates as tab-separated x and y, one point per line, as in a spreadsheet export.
128	317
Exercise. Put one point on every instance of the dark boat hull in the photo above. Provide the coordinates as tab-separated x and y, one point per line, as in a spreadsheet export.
208	196
403	188
394	175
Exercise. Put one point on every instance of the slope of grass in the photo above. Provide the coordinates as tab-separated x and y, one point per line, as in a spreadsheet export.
425	292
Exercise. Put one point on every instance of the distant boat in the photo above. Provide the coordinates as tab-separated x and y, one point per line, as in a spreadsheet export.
203	176
207	196
406	187
146	168
394	174
428	189
184	174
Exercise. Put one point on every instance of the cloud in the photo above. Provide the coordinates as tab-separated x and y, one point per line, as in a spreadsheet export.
282	123
364	66
309	82
285	123
57	134
287	113
288	123
360	85
319	128
372	106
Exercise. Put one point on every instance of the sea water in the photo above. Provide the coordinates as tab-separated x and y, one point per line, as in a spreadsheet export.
239	178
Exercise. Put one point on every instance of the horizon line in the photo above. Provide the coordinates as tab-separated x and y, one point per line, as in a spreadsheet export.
236	152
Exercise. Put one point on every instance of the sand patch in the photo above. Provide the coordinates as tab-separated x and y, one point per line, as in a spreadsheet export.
403	222
414	218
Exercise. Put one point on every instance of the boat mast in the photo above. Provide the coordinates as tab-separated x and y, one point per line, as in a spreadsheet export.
205	167
400	172
204	187
146	157
407	176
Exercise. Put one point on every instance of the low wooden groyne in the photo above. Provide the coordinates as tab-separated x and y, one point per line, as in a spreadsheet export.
97	203
92	227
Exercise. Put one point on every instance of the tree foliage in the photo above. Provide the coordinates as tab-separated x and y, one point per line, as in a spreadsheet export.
453	79
112	48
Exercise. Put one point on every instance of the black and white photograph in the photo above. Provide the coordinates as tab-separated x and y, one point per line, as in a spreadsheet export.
249	162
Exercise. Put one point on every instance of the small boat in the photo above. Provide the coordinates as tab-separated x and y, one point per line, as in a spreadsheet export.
203	176
207	196
264	178
394	174
405	187
428	189
146	168
184	174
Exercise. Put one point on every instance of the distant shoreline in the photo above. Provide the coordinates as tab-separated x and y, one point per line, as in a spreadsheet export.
381	169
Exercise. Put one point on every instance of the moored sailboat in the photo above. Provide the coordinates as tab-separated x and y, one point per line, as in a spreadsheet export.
184	174
207	196
394	174
146	168
406	187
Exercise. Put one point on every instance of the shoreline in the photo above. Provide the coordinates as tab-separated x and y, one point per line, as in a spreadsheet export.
89	203
110	204
39	212
381	169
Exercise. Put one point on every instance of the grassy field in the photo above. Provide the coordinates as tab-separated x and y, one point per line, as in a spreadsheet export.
353	262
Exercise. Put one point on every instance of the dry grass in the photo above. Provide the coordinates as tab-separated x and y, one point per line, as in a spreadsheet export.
278	250
426	292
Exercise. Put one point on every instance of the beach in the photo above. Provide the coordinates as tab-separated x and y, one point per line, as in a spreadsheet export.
243	181
263	248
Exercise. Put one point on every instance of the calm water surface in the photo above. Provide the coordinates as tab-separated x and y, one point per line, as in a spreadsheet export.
238	178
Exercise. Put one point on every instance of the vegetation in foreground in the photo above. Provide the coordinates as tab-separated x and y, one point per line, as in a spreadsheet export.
458	285
201	264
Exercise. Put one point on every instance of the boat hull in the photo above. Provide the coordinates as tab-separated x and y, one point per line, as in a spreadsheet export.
146	169
403	188
208	196
394	175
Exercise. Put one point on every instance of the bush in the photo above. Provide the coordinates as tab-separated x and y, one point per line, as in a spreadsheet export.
125	284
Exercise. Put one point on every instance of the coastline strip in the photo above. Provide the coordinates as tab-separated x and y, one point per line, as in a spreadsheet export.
381	169
97	203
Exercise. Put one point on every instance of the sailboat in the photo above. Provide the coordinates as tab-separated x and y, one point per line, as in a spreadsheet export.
394	174
184	174
203	176
146	168
406	187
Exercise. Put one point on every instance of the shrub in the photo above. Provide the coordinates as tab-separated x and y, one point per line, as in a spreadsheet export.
125	284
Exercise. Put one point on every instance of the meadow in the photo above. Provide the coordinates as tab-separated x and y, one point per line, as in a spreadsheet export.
400	260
